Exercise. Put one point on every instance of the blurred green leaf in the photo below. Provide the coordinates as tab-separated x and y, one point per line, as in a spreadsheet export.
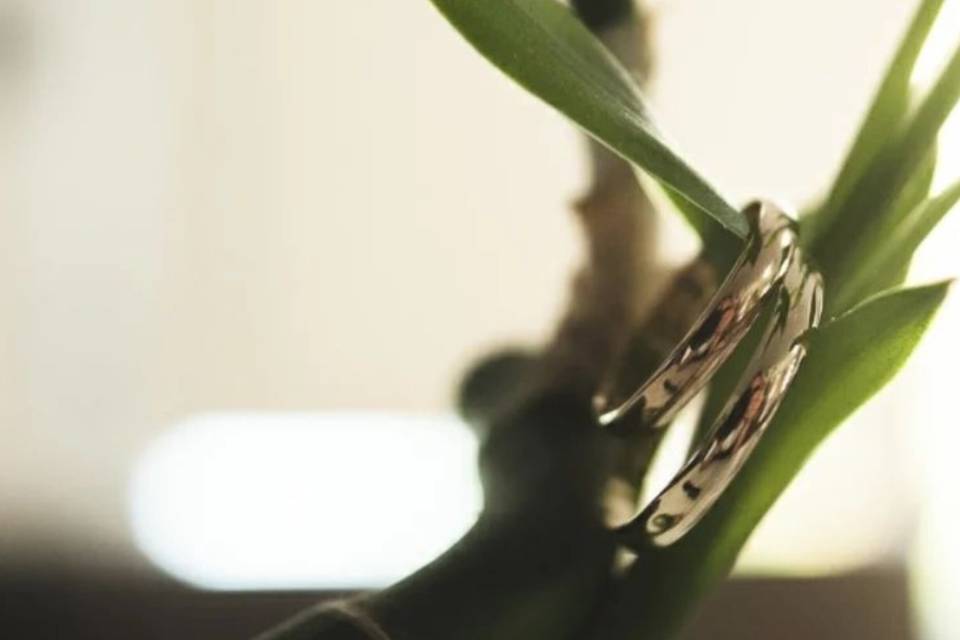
918	188
921	132
840	267
875	195
884	116
889	263
546	49
849	361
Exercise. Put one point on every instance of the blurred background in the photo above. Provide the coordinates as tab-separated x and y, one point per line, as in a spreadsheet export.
240	240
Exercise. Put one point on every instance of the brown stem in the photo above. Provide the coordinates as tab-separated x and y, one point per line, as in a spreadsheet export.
539	559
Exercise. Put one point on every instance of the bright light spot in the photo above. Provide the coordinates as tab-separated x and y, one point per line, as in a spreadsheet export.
936	559
936	555
936	563
287	501
672	452
940	44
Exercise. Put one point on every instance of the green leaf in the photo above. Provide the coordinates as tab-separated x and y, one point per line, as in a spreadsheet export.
849	361
918	188
891	260
876	193
885	115
921	133
546	49
840	268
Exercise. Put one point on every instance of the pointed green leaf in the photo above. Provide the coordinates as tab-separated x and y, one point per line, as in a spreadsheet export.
546	49
876	193
876	233
885	115
922	130
918	188
890	261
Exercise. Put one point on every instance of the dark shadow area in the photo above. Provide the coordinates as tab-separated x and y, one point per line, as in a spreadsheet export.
82	606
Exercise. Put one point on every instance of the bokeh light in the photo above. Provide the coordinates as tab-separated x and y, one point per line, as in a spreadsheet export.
295	501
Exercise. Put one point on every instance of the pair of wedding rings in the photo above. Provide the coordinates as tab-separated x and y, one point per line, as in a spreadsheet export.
770	268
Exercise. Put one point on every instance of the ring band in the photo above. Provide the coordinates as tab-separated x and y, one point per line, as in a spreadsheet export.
772	263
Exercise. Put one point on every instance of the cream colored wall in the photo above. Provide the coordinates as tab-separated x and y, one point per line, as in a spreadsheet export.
222	204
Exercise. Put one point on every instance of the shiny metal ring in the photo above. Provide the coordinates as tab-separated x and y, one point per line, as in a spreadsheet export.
772	264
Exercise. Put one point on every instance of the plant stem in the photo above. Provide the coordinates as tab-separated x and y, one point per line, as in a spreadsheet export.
539	559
